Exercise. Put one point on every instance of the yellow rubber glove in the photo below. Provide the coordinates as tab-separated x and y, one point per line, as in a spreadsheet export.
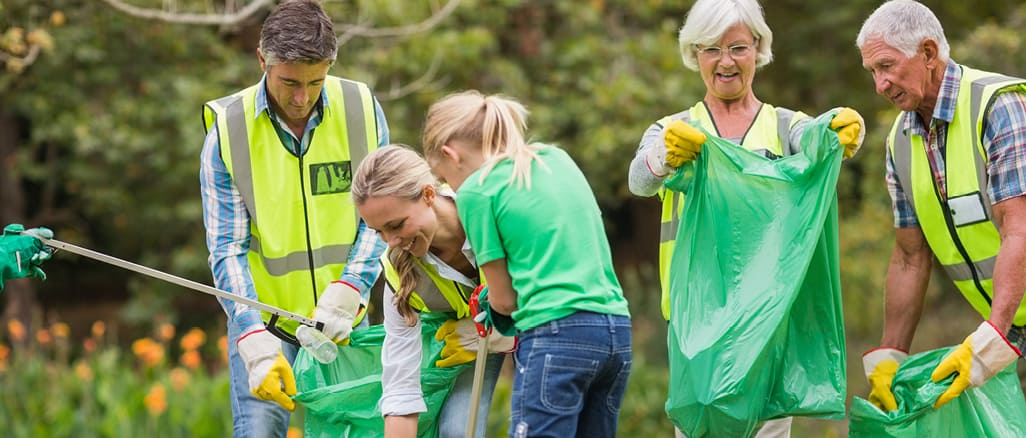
279	376
982	355
270	375
850	133
683	143
881	364
461	340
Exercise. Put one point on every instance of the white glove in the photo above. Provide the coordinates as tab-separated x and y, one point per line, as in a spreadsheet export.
981	356
270	375
655	158
337	309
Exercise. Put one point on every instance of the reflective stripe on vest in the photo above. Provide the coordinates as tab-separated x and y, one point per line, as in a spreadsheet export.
770	132
289	198
433	292
968	252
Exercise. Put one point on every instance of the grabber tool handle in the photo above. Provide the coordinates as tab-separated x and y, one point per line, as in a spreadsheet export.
479	363
198	287
475	308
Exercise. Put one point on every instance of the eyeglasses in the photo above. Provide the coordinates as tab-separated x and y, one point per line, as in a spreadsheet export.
716	52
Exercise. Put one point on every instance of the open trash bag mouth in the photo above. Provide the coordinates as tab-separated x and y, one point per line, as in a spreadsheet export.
756	329
996	409
341	397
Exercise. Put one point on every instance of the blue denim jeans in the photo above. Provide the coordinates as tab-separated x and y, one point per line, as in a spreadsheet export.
452	420
570	377
251	416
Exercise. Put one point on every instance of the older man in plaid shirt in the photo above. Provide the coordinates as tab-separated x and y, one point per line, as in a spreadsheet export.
955	163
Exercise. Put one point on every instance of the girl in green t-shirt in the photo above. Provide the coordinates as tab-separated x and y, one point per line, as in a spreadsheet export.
537	233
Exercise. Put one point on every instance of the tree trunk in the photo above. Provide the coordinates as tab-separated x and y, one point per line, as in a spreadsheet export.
20	295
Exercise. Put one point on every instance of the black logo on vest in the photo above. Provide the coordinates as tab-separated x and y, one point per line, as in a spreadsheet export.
328	178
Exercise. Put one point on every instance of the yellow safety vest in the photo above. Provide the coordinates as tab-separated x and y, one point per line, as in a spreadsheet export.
433	292
302	220
959	229
769	135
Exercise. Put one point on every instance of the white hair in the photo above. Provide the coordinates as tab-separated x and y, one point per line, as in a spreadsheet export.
708	20
904	25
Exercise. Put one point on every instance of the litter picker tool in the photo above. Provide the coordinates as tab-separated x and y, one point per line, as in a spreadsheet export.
312	342
479	364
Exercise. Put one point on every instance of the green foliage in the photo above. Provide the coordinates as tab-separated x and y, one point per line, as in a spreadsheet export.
114	133
109	123
57	388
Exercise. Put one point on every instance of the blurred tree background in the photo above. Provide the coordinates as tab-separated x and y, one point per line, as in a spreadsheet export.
100	132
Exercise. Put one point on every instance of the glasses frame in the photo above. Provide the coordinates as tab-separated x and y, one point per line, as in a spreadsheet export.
716	52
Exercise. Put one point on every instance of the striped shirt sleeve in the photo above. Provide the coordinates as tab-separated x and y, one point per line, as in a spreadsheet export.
227	224
904	215
1004	135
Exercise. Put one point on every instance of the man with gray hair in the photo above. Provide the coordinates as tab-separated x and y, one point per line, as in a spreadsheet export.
280	224
956	172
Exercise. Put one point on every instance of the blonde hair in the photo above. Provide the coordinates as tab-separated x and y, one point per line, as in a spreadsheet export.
495	124
395	170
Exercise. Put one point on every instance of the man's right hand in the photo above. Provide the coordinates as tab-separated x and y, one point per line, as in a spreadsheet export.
337	309
683	143
270	375
881	364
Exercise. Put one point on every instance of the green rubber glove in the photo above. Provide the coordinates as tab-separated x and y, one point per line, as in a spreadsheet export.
492	319
22	252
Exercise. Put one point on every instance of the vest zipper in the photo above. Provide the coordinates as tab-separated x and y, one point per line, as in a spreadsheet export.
306	224
958	242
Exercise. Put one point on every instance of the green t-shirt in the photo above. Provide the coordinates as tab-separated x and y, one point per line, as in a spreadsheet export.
551	236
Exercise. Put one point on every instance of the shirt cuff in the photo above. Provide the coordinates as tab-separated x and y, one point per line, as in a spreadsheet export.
402	404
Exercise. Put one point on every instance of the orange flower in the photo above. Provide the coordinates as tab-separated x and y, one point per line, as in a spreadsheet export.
5	352
222	344
43	337
294	433
191	359
60	330
193	339
166	332
149	352
83	371
57	18
89	345
156	400
16	329
179	379
99	328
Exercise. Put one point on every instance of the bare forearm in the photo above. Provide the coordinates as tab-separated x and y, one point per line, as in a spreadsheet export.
501	295
401	426
907	277
1009	280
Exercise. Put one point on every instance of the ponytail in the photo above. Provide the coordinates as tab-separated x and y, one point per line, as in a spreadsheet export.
495	124
403	263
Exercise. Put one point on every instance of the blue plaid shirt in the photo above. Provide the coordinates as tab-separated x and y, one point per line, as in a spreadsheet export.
227	221
1004	137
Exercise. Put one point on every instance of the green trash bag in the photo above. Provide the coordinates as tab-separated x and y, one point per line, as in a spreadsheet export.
996	409
756	331
341	398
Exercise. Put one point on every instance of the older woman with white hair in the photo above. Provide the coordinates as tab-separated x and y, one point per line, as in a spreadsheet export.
726	42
